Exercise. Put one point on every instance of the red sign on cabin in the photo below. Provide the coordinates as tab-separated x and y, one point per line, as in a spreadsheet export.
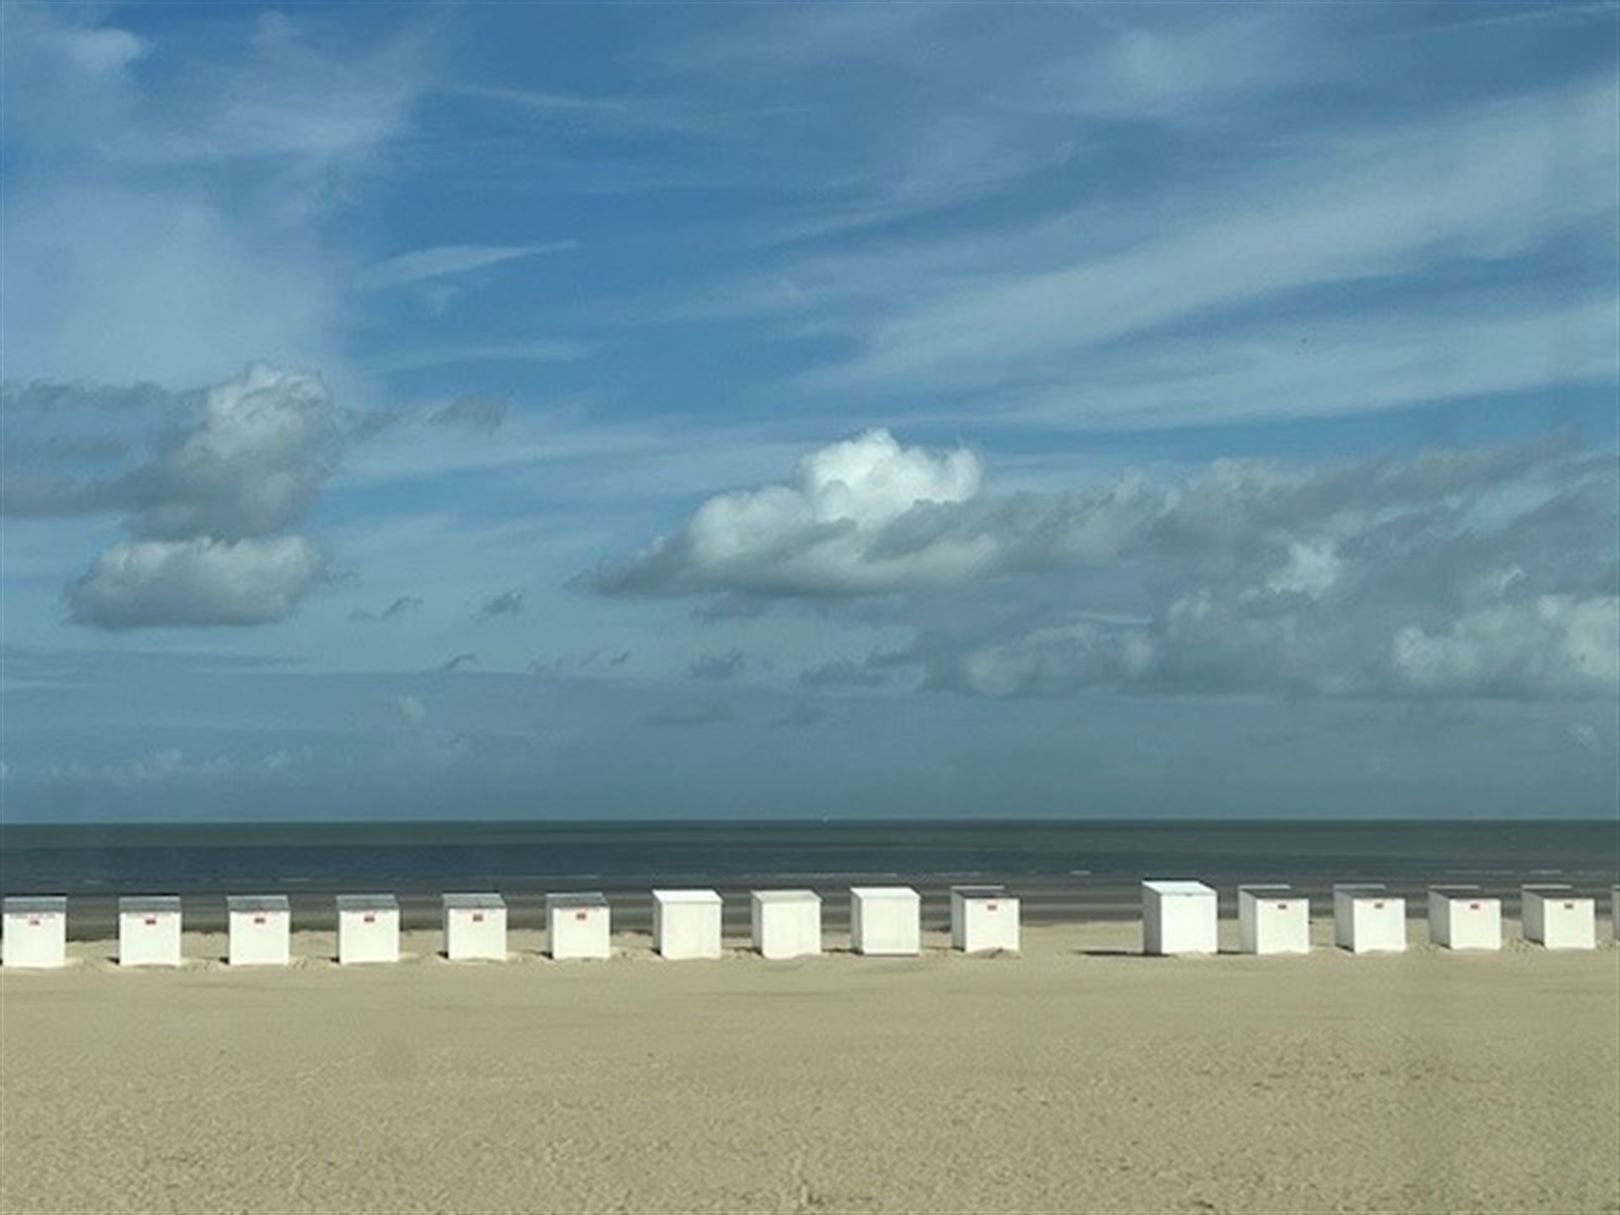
478	917
582	915
1282	906
150	920
1379	906
33	921
990	906
258	919
369	918
1569	906
1473	907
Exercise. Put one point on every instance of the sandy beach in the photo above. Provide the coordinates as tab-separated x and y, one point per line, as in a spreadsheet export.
1074	1077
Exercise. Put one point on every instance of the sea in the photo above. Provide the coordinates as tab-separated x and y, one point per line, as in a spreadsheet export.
1062	871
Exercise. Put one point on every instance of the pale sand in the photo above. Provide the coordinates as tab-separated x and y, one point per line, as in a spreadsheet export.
1060	1080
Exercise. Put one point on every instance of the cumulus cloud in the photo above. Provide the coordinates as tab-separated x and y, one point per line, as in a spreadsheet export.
253	464
201	582
1564	643
1479	572
836	528
210	510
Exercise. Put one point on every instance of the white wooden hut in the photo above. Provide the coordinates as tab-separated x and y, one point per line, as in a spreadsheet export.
579	925
885	920
36	932
259	930
983	918
1178	917
149	931
1273	919
475	927
1464	917
1368	919
368	928
787	923
1557	916
686	923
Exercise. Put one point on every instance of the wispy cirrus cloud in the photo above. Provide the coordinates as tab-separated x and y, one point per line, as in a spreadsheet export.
444	261
1370	207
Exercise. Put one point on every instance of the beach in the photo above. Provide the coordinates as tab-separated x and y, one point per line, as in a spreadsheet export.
1075	1076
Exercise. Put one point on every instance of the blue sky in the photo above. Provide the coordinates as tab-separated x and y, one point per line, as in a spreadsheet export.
827	409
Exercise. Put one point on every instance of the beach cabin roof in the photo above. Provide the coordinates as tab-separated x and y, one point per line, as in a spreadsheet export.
1459	890
979	892
1178	887
706	897
36	904
883	892
144	904
584	898
367	902
1559	890
1266	889
474	902
786	896
1356	888
257	902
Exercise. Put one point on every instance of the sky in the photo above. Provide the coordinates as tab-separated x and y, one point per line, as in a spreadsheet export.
671	410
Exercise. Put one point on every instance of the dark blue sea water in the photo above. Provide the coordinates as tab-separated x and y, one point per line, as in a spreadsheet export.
1063	870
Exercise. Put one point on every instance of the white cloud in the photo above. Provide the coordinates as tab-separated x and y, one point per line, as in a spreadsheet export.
1312	569
254	463
169	224
1485	572
1471	186
201	582
210	510
1565	643
442	261
827	532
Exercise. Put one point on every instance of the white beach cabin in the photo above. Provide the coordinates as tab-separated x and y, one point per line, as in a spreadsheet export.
475	928
983	918
368	929
686	923
1368	919
260	930
578	925
1178	918
1464	917
1556	916
36	932
885	921
149	931
1273	919
787	923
